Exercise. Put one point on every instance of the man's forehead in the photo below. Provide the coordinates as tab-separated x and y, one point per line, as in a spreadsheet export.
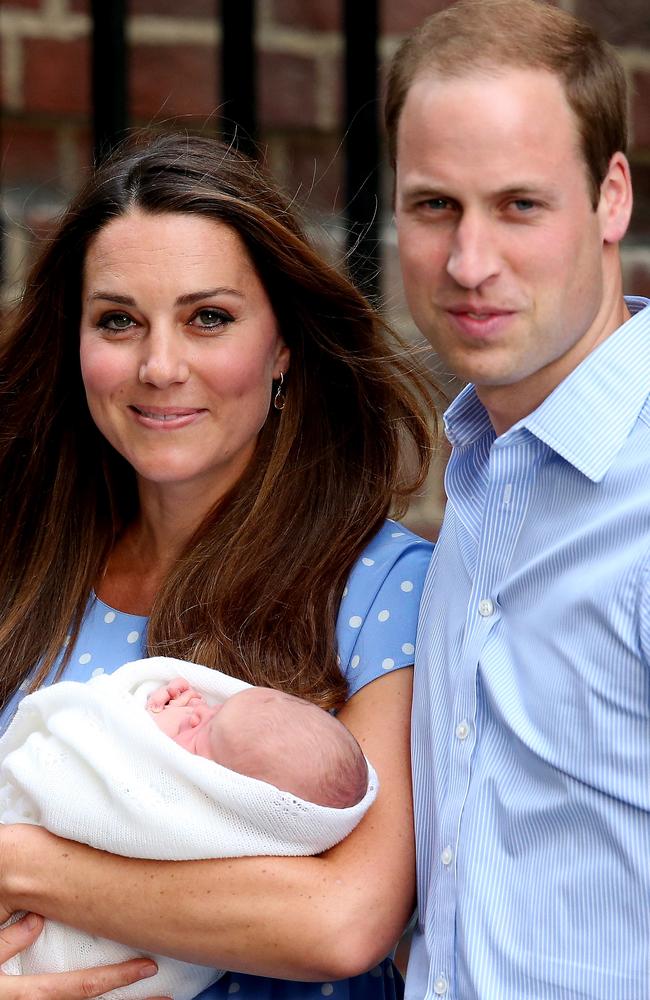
517	120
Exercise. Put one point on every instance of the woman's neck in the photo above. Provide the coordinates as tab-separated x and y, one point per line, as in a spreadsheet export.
148	548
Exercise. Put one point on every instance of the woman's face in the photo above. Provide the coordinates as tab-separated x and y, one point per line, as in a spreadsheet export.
179	348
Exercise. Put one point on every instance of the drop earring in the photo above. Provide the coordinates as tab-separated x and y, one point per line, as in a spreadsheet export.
280	397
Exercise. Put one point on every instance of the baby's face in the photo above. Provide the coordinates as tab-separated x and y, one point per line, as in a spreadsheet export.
189	725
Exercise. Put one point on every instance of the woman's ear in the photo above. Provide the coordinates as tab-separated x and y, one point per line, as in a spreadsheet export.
615	205
282	361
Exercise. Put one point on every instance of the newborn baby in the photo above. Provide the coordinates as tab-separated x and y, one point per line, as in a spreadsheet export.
267	773
268	735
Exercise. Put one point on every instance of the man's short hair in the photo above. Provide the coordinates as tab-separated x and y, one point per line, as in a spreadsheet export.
486	35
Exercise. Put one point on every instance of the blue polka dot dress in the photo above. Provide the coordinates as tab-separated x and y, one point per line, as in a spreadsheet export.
376	634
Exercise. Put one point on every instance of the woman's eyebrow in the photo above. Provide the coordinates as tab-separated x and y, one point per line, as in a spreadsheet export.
183	300
124	300
191	297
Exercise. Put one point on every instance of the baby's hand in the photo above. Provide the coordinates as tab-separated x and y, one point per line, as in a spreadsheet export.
178	691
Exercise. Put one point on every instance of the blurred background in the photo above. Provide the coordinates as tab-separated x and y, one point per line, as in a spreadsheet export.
298	81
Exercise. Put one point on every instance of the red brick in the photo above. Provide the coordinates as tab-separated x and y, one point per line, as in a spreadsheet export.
32	4
287	90
620	23
400	18
164	8
57	76
316	15
172	8
169	80
641	110
29	153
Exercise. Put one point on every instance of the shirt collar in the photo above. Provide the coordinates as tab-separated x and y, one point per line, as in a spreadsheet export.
588	417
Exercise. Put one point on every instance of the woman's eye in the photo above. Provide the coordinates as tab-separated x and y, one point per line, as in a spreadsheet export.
116	321
211	318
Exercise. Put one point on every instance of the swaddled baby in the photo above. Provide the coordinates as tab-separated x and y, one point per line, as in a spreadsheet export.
268	735
147	763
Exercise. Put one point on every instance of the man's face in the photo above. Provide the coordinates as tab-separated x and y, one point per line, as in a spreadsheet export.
502	253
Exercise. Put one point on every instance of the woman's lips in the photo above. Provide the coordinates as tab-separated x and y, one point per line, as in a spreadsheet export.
165	417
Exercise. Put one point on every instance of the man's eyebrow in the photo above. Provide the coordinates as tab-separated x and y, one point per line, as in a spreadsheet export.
183	300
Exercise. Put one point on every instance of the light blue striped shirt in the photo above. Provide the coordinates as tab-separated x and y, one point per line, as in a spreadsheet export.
531	717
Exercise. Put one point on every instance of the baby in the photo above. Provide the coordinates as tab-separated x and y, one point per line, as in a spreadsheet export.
268	735
106	763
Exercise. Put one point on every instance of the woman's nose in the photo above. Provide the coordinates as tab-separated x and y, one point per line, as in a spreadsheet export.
163	362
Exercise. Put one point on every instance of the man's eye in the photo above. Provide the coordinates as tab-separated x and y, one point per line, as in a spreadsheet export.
116	321
211	318
524	204
437	204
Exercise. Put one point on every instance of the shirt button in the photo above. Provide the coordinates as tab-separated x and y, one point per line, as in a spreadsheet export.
440	986
462	730
486	607
447	856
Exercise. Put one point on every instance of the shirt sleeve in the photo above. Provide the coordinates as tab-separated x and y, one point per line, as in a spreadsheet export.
379	611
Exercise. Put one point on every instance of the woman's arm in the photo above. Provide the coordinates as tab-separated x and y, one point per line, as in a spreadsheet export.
66	985
325	917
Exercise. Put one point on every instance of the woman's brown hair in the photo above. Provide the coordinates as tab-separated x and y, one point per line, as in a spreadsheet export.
256	591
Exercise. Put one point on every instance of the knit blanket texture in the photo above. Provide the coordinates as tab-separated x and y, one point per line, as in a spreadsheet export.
88	763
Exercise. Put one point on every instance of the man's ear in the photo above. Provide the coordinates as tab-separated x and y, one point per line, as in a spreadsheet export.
615	205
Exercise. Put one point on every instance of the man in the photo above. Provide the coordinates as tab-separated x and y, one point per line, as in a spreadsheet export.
531	720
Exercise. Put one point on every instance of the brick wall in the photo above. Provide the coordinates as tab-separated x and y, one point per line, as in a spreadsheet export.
45	96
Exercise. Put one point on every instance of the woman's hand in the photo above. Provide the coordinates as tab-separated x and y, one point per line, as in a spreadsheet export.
66	985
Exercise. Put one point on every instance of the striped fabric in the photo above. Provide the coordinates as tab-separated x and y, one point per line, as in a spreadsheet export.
531	720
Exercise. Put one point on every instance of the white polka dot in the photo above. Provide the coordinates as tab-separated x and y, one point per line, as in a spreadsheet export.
109	617
377	971
356	621
345	591
327	989
234	988
85	658
406	586
383	616
97	671
396	534
408	647
387	664
133	637
355	661
368	562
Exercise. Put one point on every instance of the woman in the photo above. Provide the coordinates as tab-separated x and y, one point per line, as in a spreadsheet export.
203	428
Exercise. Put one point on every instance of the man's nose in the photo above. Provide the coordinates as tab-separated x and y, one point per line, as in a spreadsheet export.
473	255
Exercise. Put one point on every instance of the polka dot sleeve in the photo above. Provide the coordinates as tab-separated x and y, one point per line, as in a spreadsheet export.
379	611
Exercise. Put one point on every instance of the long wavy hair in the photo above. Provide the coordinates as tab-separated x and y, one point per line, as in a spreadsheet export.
256	591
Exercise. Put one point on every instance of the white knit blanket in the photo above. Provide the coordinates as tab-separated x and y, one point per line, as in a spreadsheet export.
86	762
